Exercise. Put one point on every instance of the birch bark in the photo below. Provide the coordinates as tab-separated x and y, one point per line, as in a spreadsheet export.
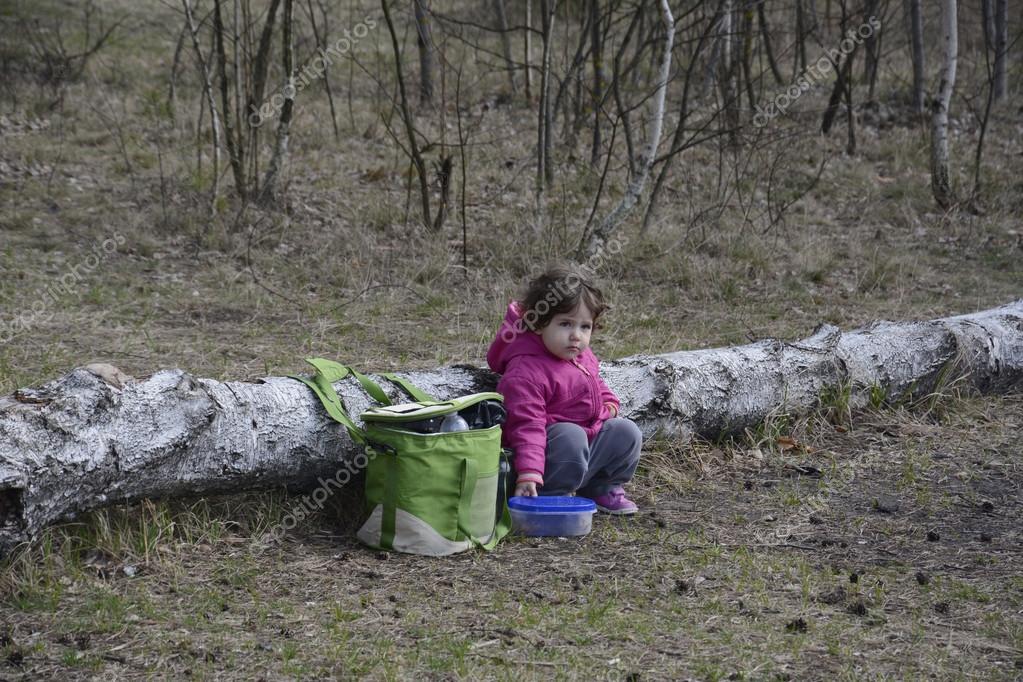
592	243
941	183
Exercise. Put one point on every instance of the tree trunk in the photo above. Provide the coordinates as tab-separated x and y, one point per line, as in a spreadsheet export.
425	46
799	54
207	89
96	437
597	94
506	50
746	29
843	72
729	75
544	170
987	13
527	49
765	33
591	246
916	29
321	47
941	185
282	141
850	114
406	116
1001	21
235	150
680	127
872	48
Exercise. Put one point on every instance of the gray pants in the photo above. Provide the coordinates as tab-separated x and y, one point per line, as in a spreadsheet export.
591	469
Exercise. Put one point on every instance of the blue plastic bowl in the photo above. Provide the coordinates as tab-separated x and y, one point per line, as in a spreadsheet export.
551	516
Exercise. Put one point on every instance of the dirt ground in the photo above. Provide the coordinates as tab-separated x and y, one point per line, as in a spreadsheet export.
885	548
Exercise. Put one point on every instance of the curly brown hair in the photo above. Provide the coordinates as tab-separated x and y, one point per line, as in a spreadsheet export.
559	290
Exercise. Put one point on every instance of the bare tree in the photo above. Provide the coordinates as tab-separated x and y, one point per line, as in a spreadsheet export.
267	191
597	92
527	47
321	45
872	47
544	170
729	70
406	114
232	129
765	32
207	89
941	185
677	142
1001	26
424	43
506	50
916	33
799	54
985	116
590	244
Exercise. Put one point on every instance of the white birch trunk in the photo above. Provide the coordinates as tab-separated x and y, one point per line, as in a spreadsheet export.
95	437
941	184
207	88
596	240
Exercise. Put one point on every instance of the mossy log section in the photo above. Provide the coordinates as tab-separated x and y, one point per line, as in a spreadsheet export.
96	437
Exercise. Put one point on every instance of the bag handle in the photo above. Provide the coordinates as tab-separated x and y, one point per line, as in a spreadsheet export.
329	371
410	388
470	474
389	509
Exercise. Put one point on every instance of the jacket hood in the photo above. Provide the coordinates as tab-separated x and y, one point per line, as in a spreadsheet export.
513	339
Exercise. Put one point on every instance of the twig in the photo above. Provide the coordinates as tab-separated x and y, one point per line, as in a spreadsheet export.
252	270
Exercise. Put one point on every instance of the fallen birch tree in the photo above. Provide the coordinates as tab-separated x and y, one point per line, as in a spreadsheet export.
97	437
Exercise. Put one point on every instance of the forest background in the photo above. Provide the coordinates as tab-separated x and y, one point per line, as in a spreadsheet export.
169	197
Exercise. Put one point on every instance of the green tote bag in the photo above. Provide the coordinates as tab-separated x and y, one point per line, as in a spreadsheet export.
434	493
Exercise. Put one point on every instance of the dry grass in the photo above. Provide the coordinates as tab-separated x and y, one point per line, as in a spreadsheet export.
746	561
740	565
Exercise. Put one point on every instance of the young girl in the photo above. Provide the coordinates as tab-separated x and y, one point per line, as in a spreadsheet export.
563	422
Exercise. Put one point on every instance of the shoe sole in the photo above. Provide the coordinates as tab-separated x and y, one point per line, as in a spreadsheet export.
617	512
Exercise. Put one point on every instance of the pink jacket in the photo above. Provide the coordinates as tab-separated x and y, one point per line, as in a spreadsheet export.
540	389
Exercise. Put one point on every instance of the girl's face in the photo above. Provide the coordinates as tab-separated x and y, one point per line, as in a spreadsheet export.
568	334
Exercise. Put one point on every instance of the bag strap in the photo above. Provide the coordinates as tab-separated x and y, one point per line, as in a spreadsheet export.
410	388
328	372
389	508
335	371
467	486
503	523
501	528
371	387
470	474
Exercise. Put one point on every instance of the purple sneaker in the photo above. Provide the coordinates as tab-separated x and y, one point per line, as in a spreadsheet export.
615	502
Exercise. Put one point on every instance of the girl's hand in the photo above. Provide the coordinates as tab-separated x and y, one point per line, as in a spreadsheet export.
526	489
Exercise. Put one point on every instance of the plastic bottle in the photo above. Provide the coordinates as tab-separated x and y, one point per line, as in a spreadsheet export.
454	422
